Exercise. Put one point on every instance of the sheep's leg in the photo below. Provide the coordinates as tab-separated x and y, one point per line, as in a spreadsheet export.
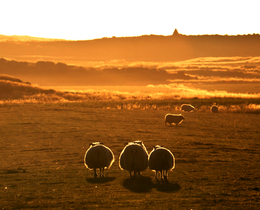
135	174
161	174
95	173
156	174
165	175
130	174
138	174
101	173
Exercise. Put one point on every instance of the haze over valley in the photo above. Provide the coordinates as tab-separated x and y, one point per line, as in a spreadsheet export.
200	66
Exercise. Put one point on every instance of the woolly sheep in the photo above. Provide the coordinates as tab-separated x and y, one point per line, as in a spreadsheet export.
134	157
173	118
214	109
98	156
161	160
187	107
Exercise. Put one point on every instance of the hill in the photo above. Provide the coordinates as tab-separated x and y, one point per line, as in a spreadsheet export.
143	48
18	38
203	70
49	73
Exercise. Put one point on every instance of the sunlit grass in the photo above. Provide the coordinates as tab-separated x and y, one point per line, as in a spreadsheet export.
152	97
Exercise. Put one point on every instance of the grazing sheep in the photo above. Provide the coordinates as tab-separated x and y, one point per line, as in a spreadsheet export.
214	109
187	108
161	160
173	118
134	157
98	156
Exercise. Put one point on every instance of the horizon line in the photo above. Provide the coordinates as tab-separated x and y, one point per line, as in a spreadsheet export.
34	38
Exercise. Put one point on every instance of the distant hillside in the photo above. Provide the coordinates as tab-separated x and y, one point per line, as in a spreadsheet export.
12	88
143	48
205	69
48	73
12	79
4	38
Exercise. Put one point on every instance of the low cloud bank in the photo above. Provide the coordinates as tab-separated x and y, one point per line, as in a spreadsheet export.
123	73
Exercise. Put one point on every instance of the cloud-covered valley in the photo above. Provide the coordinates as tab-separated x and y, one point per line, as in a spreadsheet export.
122	73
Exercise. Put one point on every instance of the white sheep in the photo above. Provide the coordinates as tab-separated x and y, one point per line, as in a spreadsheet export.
98	156
173	118
214	109
187	108
134	157
161	160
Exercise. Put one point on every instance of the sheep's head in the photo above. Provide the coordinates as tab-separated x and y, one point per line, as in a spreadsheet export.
139	142
157	146
95	143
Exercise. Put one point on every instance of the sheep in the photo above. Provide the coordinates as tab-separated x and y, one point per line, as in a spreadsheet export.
214	109
161	160
173	118
187	108
134	157
98	156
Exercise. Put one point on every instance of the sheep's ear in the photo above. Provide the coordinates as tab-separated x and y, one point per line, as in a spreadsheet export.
138	142
156	146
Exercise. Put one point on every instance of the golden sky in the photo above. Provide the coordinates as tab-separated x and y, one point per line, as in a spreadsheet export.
88	19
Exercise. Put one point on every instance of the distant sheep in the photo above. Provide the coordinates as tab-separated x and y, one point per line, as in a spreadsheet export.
134	157
187	108
161	160
98	156
214	109
173	118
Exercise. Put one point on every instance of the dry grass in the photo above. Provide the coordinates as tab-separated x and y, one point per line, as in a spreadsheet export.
43	146
162	97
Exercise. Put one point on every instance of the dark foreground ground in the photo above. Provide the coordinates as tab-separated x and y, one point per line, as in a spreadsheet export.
43	146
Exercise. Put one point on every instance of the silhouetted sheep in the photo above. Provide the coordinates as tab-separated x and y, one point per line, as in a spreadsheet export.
98	156
187	107
134	157
161	160
173	118
214	109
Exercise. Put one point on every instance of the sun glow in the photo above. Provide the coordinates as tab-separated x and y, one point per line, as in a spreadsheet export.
81	20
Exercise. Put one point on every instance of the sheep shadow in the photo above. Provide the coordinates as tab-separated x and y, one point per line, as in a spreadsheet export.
138	185
166	186
145	184
100	179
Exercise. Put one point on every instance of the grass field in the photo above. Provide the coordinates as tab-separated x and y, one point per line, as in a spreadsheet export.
43	146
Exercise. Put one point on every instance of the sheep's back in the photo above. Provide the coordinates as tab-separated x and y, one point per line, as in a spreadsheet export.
187	107
134	158
99	157
214	109
170	118
161	159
